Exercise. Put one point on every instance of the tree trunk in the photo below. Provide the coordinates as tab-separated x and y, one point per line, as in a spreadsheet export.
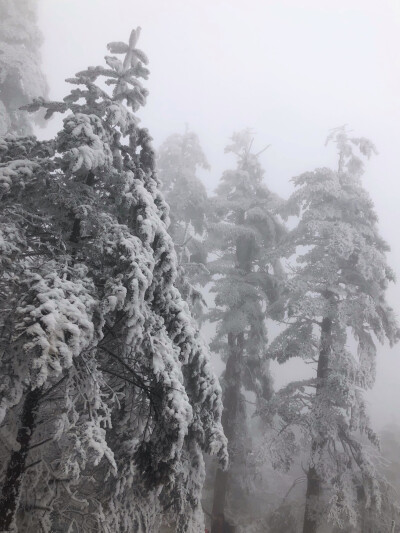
231	402
314	482
245	247
16	466
312	496
220	489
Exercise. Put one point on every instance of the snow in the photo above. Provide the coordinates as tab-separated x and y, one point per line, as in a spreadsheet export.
99	319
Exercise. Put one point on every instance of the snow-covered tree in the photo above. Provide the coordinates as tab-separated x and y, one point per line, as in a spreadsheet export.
179	159
246	274
21	77
335	312
107	397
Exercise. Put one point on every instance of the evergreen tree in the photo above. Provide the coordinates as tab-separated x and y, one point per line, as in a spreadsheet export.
179	159
21	77
246	274
336	310
107	398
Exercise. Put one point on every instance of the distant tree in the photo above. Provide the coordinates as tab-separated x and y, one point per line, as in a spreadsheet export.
335	312
282	519
246	274
179	159
21	76
390	444
107	397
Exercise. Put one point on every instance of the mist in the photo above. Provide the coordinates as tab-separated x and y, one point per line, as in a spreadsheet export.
290	71
270	79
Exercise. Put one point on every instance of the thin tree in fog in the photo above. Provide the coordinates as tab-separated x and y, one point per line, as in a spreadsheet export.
336	310
243	232
107	396
179	159
21	77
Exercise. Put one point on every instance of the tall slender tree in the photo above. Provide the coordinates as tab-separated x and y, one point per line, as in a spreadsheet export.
336	310
107	396
180	158
21	76
246	274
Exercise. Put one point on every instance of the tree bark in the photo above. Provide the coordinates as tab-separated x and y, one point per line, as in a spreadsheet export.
245	247
314	482
313	494
16	466
231	402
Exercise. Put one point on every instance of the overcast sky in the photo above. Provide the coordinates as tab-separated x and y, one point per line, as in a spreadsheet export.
288	69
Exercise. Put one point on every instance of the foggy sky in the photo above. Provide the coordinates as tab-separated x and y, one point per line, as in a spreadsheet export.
288	69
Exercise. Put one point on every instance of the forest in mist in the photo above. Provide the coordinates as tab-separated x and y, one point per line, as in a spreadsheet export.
198	259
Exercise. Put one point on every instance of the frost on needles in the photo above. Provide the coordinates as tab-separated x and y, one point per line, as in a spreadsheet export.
335	311
107	396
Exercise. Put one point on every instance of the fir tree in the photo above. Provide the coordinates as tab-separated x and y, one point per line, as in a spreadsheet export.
336	310
21	77
246	274
179	159
107	396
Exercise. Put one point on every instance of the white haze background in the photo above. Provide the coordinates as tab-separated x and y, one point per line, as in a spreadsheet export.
288	69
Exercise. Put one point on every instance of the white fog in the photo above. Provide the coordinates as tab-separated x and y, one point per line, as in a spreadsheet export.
290	70
211	370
